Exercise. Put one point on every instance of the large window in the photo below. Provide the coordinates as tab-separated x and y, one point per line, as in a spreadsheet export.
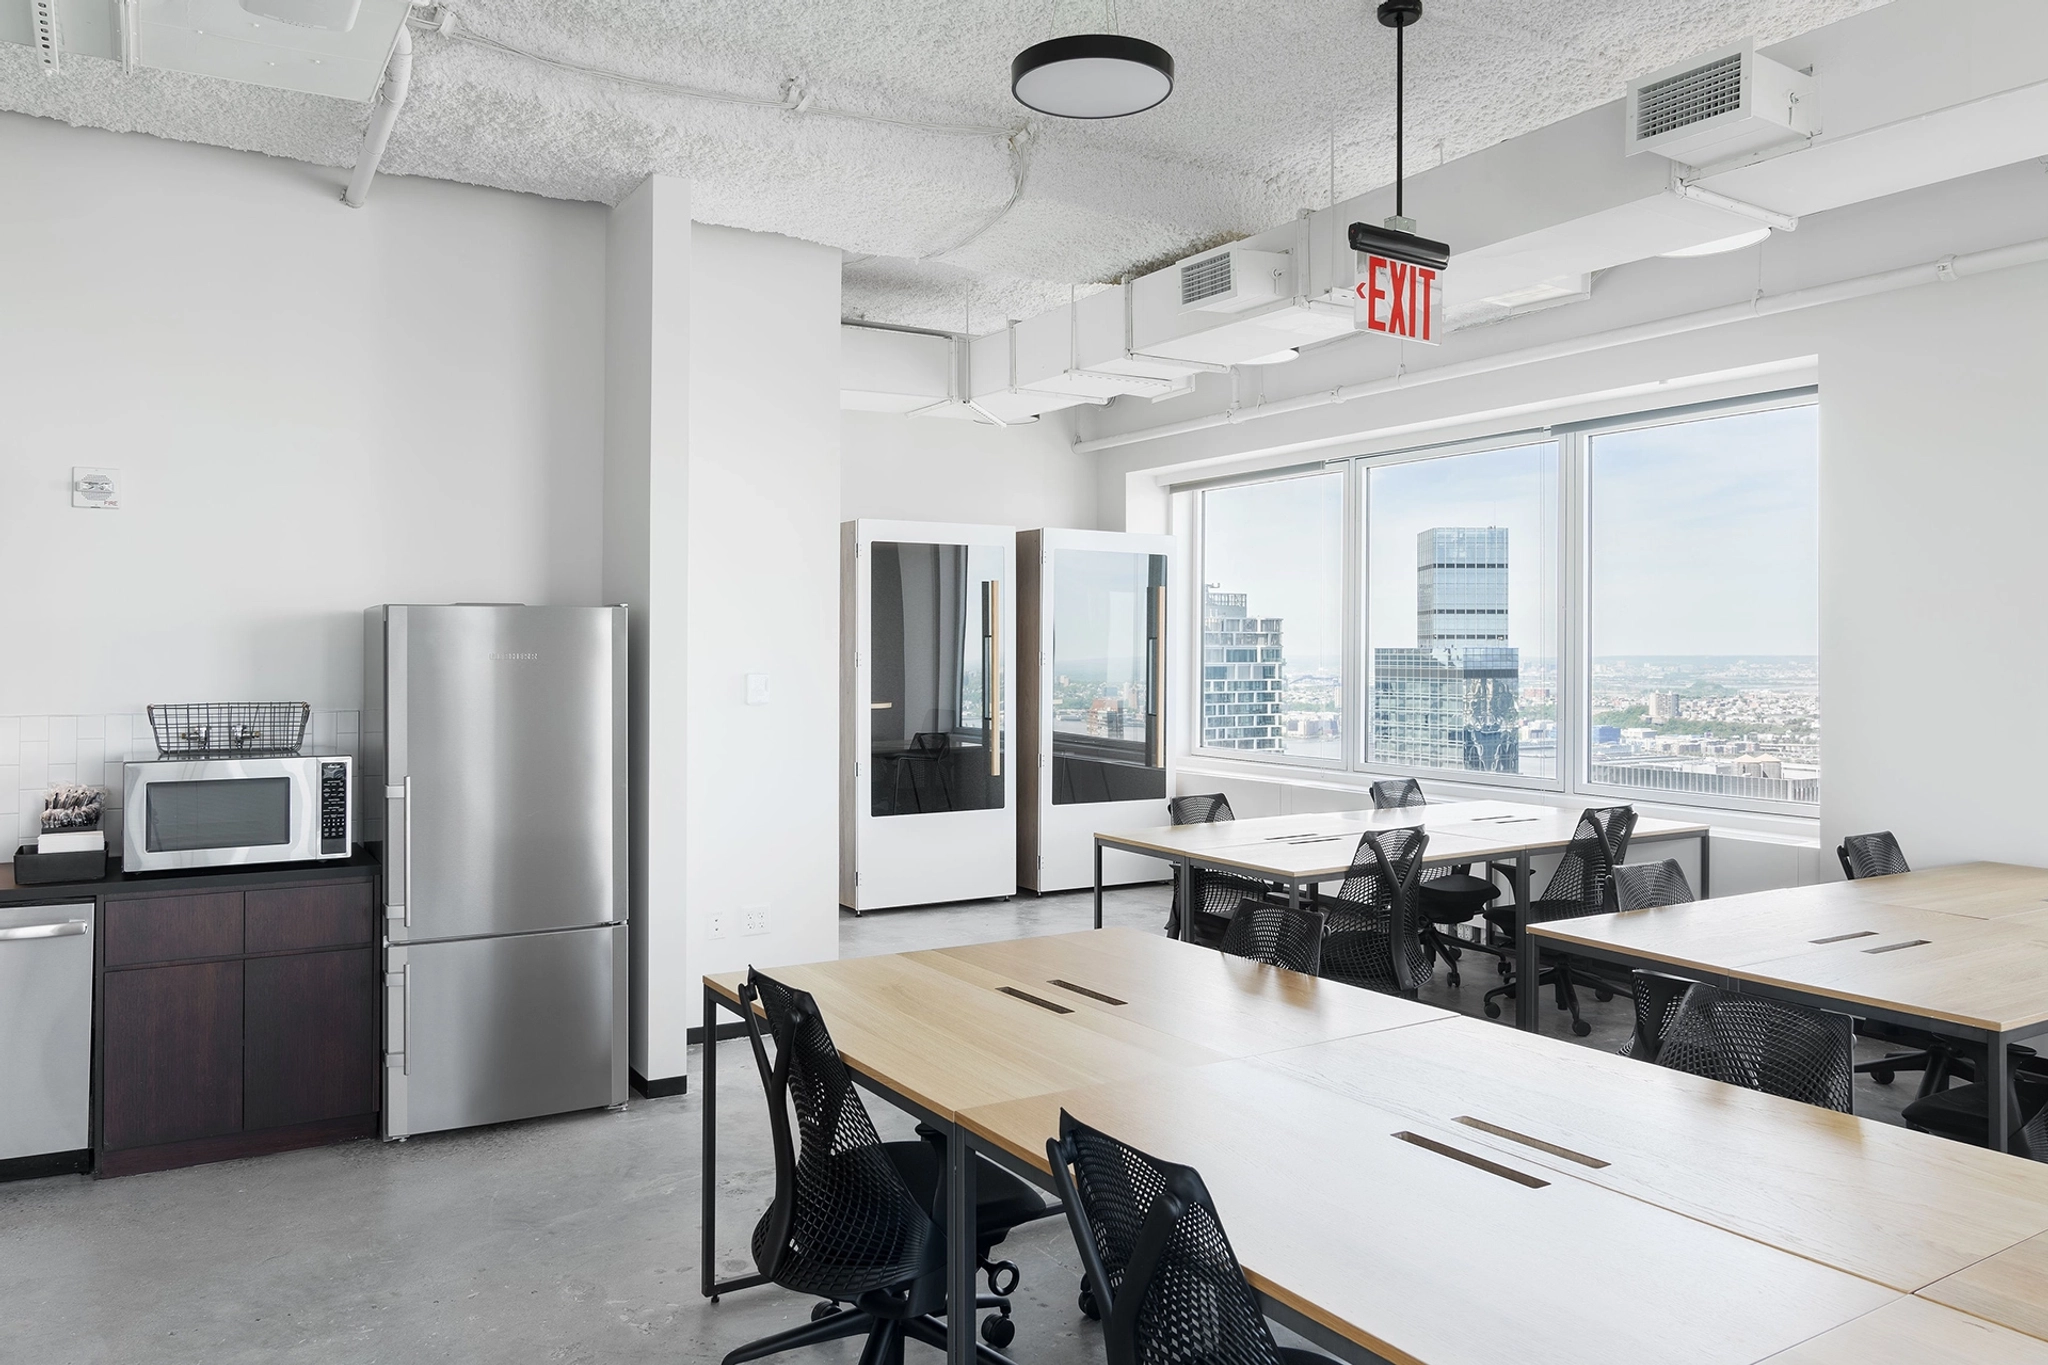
1705	607
1410	612
1461	590
1273	617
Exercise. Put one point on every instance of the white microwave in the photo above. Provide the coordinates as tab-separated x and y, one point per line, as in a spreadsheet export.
221	812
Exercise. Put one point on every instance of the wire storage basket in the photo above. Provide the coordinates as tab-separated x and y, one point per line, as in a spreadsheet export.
239	729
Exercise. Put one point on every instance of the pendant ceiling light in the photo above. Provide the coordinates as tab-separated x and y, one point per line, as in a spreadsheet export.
1397	237
1092	75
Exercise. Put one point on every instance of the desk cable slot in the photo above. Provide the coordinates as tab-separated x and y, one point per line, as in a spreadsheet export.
1083	990
1841	938
1539	1144
1894	947
1029	998
1478	1162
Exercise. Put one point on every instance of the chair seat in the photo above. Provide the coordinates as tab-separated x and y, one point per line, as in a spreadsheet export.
1456	897
1001	1200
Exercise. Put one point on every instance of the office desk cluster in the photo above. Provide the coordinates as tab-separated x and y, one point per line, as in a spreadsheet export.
1405	1184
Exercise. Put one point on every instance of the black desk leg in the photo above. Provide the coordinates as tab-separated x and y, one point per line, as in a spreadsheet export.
1186	874
1999	1094
708	1261
1098	883
961	1261
1528	959
1706	843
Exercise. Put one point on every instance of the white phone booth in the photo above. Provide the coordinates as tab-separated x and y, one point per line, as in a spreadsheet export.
928	810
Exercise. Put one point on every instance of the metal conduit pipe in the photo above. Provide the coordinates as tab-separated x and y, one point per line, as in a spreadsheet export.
390	99
1764	305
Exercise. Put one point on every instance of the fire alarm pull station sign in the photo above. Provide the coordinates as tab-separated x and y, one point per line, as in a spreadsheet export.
1397	299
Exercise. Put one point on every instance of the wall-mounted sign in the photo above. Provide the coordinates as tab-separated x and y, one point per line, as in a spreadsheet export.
1396	298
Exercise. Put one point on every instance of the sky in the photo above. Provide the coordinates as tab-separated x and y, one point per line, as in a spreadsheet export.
1704	540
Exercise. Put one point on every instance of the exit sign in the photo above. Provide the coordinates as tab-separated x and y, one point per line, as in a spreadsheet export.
1396	298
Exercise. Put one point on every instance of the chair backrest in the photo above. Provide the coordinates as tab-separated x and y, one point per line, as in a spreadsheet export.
1638	886
1199	810
1871	855
1657	998
1169	1286
1277	935
1374	938
1780	1049
1397	793
931	741
842	1222
1583	881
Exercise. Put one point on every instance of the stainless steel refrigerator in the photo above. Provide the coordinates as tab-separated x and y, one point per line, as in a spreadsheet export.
498	736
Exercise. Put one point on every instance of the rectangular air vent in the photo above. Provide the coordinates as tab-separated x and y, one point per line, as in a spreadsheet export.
1717	107
1232	280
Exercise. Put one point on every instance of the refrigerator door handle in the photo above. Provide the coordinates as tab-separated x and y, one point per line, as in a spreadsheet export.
394	822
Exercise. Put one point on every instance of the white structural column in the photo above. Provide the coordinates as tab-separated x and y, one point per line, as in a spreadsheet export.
646	507
721	513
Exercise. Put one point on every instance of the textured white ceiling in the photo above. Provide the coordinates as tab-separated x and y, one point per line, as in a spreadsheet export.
1263	88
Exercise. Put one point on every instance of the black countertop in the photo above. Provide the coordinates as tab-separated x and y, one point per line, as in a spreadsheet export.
352	868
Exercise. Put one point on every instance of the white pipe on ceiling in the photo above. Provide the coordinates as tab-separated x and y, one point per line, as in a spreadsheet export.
1764	305
390	99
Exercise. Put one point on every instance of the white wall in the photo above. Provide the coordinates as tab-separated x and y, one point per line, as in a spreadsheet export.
764	505
941	469
313	408
1932	652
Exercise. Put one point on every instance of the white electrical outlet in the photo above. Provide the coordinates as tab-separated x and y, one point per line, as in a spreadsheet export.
757	920
720	923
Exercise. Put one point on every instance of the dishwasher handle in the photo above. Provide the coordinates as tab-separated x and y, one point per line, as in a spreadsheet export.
63	928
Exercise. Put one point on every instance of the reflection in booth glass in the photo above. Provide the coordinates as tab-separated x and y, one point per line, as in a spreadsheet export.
936	641
1106	677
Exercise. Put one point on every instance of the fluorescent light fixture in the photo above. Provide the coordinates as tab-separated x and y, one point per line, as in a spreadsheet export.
1272	357
1092	75
1720	244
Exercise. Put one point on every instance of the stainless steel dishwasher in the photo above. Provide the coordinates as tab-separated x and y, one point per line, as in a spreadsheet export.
45	1037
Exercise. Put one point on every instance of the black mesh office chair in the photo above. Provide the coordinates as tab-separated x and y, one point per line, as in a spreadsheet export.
1642	886
1582	884
1871	855
1960	1112
1161	1272
1216	893
855	1220
1451	896
1788	1050
1277	935
1373	938
1937	1059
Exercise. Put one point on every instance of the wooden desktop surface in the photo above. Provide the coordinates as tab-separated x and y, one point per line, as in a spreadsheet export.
1420	1257
1916	1332
2010	1288
1902	1208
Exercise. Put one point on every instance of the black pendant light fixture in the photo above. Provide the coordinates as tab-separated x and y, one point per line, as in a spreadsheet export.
1396	238
1092	75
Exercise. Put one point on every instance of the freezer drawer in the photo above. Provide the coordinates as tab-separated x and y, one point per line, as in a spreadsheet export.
45	1029
492	1029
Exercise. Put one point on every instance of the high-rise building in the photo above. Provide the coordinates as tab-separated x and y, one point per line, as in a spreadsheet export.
1243	676
1449	702
1663	706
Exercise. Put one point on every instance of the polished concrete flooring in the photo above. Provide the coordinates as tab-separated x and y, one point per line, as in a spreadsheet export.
572	1239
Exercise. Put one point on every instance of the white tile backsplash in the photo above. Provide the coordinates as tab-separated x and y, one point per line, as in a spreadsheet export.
39	751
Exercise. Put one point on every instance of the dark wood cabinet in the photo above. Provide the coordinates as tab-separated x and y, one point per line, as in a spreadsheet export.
310	1049
177	1072
236	1022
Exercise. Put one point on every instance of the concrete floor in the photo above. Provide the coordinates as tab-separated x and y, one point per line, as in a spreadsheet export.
561	1240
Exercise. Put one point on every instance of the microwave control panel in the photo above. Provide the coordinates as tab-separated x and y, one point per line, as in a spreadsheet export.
333	809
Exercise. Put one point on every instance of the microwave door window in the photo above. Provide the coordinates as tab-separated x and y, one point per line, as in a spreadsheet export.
247	812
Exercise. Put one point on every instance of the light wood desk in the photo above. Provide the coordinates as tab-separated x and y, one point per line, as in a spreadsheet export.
1894	1206
2010	1288
1961	975
1302	851
1916	1332
1369	1243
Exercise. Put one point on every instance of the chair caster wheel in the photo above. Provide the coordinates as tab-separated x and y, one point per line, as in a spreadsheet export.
1453	981
1089	1308
1492	1010
1581	1028
998	1331
1882	1077
1603	996
821	1311
1502	968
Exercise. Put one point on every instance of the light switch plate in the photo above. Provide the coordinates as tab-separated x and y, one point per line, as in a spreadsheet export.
757	689
95	488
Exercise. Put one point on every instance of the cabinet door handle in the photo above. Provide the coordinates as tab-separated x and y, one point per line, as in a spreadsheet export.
63	928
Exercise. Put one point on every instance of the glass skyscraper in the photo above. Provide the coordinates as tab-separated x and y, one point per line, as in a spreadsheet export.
1450	701
1243	677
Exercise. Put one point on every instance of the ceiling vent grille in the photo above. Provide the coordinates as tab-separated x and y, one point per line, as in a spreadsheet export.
1201	281
1685	99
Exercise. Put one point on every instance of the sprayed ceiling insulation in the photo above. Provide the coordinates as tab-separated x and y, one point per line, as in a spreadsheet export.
994	212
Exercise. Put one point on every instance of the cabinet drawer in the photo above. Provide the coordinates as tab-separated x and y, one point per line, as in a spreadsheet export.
336	915
167	928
